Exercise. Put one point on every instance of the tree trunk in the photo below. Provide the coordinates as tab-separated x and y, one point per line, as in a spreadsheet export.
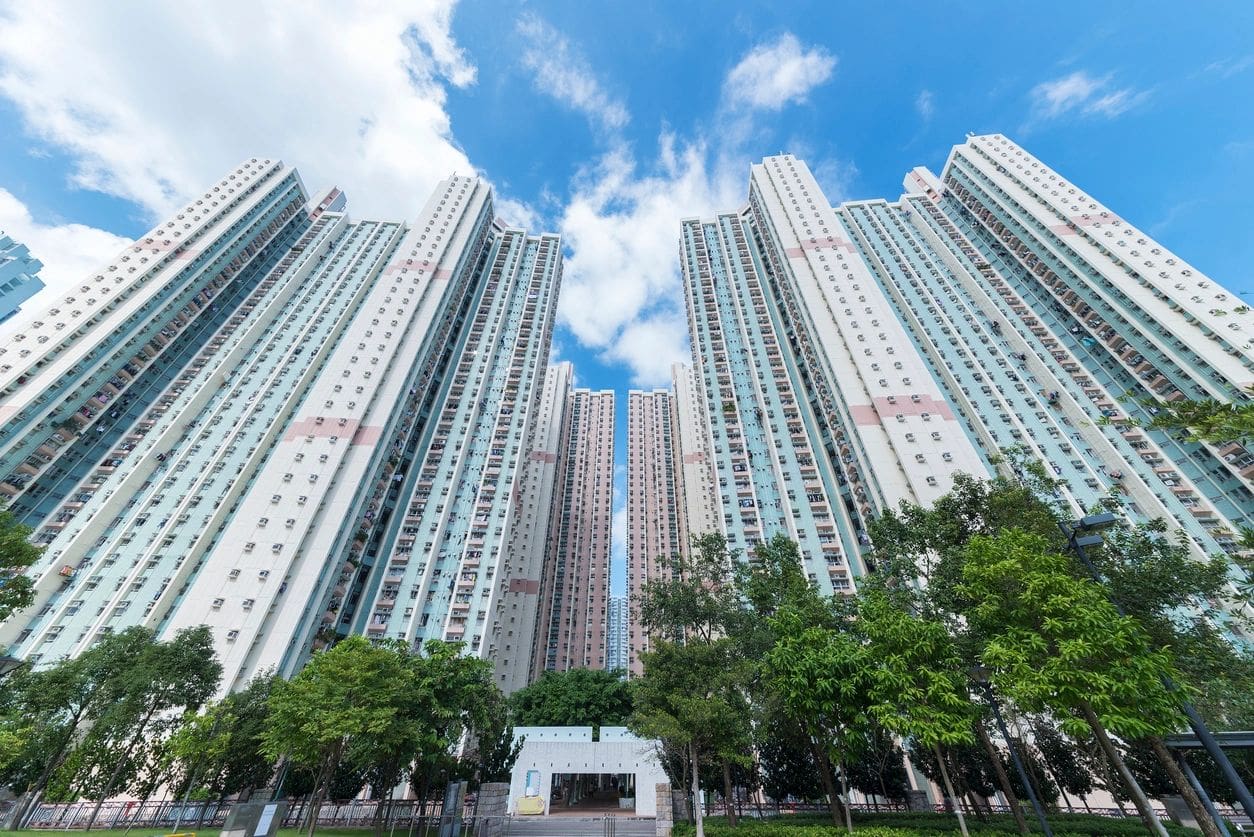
829	783
323	785
1182	784
949	789
727	793
23	802
117	770
844	790
696	792
1002	778
1138	795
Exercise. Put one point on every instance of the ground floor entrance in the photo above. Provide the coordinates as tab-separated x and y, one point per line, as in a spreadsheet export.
606	794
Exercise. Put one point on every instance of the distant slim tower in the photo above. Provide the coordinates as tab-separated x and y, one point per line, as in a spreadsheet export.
574	592
269	418
616	644
19	279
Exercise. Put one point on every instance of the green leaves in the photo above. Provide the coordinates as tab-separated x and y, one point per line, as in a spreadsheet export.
917	685
578	697
1054	641
377	708
16	554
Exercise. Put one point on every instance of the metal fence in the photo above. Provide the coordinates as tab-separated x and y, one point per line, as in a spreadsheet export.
403	813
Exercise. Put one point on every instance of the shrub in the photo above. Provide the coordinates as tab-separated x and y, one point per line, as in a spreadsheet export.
922	824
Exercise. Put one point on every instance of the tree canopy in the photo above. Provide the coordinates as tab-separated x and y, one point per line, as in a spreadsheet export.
577	697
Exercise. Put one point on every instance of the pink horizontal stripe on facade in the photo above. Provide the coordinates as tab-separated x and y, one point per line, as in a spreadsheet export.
542	456
330	426
367	434
871	414
690	458
907	406
529	586
864	414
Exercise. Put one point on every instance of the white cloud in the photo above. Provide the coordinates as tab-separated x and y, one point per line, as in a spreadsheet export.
154	100
1082	93
1230	66
925	104
621	292
560	71
68	252
778	73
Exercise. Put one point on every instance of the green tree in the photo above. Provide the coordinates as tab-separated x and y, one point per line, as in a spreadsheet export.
1063	760
1205	420
218	752
495	747
1150	573
16	554
54	706
918	686
165	676
692	696
880	769
577	697
819	672
787	759
352	691
1056	642
690	614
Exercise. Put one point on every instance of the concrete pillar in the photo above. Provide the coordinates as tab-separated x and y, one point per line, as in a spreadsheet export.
493	808
665	816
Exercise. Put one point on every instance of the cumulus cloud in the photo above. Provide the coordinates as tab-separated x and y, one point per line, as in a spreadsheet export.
155	103
1084	94
621	292
559	70
69	252
778	73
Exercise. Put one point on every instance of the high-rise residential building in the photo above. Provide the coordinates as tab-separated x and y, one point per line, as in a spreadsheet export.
820	408
272	419
855	356
701	511
524	587
670	491
1094	322
574	590
19	279
616	637
656	528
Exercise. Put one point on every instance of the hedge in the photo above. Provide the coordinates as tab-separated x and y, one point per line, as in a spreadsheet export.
924	825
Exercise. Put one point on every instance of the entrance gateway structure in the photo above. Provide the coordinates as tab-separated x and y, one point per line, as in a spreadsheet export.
590	773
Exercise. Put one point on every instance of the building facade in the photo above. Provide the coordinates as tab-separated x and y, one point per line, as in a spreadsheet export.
527	580
656	525
616	641
855	356
280	422
19	279
574	590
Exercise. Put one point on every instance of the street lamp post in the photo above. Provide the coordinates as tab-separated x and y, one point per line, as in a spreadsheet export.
980	675
1083	533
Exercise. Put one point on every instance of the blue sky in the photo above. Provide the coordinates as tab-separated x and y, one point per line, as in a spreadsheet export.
610	122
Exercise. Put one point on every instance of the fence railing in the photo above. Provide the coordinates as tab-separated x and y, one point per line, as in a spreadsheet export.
66	816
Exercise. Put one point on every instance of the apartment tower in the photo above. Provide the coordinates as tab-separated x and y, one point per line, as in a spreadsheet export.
270	418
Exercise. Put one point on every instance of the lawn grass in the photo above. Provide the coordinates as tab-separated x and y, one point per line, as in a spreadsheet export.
211	831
